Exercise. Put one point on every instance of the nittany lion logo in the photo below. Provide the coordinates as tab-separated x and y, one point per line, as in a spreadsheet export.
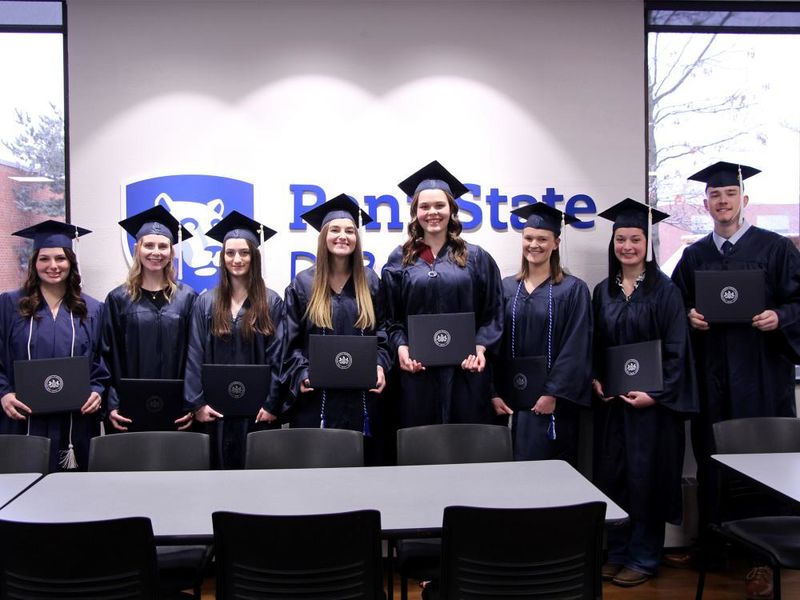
520	381
53	384
729	294
154	404
199	202
442	338
343	360
236	389
631	367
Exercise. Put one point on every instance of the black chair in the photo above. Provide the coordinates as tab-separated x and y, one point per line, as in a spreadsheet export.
293	557
150	451
552	553
452	443
303	448
90	560
24	454
776	538
180	567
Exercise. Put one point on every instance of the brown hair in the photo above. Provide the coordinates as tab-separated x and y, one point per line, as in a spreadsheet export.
256	318
413	245
319	309
32	297
133	283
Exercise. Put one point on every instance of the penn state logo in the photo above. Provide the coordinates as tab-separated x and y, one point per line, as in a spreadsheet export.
442	338
631	367
520	381
199	202
236	389
53	384
154	404
729	294
343	360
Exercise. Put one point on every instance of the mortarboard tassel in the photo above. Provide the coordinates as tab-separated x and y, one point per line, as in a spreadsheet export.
261	250
180	252
741	196
551	428
562	247
366	428
649	256
76	246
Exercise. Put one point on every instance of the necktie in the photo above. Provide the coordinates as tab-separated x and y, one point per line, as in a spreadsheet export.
727	248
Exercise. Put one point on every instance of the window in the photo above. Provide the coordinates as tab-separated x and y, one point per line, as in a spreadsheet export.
721	86
32	108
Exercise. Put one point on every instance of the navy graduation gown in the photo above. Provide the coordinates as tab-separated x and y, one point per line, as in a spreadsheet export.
228	435
444	394
741	371
639	451
570	373
142	341
52	338
343	408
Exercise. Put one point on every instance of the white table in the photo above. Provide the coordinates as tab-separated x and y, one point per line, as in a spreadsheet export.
779	471
411	499
12	484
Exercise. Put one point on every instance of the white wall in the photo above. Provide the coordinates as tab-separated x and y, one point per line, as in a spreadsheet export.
353	95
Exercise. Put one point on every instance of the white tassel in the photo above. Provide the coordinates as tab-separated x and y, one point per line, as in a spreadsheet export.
76	247
67	460
180	252
261	250
741	197
562	246
649	234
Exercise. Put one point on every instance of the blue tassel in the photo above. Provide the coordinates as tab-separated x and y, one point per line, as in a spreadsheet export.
551	429
367	429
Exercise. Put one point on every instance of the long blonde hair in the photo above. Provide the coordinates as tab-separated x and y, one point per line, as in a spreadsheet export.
133	283
319	310
458	247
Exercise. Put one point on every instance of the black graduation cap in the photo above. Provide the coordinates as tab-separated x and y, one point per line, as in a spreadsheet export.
433	176
630	213
237	225
52	234
340	207
723	174
155	221
543	216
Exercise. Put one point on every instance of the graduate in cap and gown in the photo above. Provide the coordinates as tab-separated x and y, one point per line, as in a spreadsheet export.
49	317
640	435
146	322
337	296
547	314
743	369
436	271
240	322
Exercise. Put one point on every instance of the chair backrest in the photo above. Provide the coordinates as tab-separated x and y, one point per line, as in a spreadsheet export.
303	448
757	435
453	443
552	553
91	560
293	557
24	454
150	451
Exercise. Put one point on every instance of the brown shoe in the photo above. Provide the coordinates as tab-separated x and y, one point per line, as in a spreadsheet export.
609	571
678	560
758	583
630	577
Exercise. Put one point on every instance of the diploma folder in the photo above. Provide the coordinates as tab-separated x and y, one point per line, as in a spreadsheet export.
438	340
151	404
343	361
52	385
729	296
524	380
236	390
633	367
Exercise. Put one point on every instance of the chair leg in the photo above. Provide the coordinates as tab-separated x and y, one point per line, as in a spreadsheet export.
403	586
701	582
